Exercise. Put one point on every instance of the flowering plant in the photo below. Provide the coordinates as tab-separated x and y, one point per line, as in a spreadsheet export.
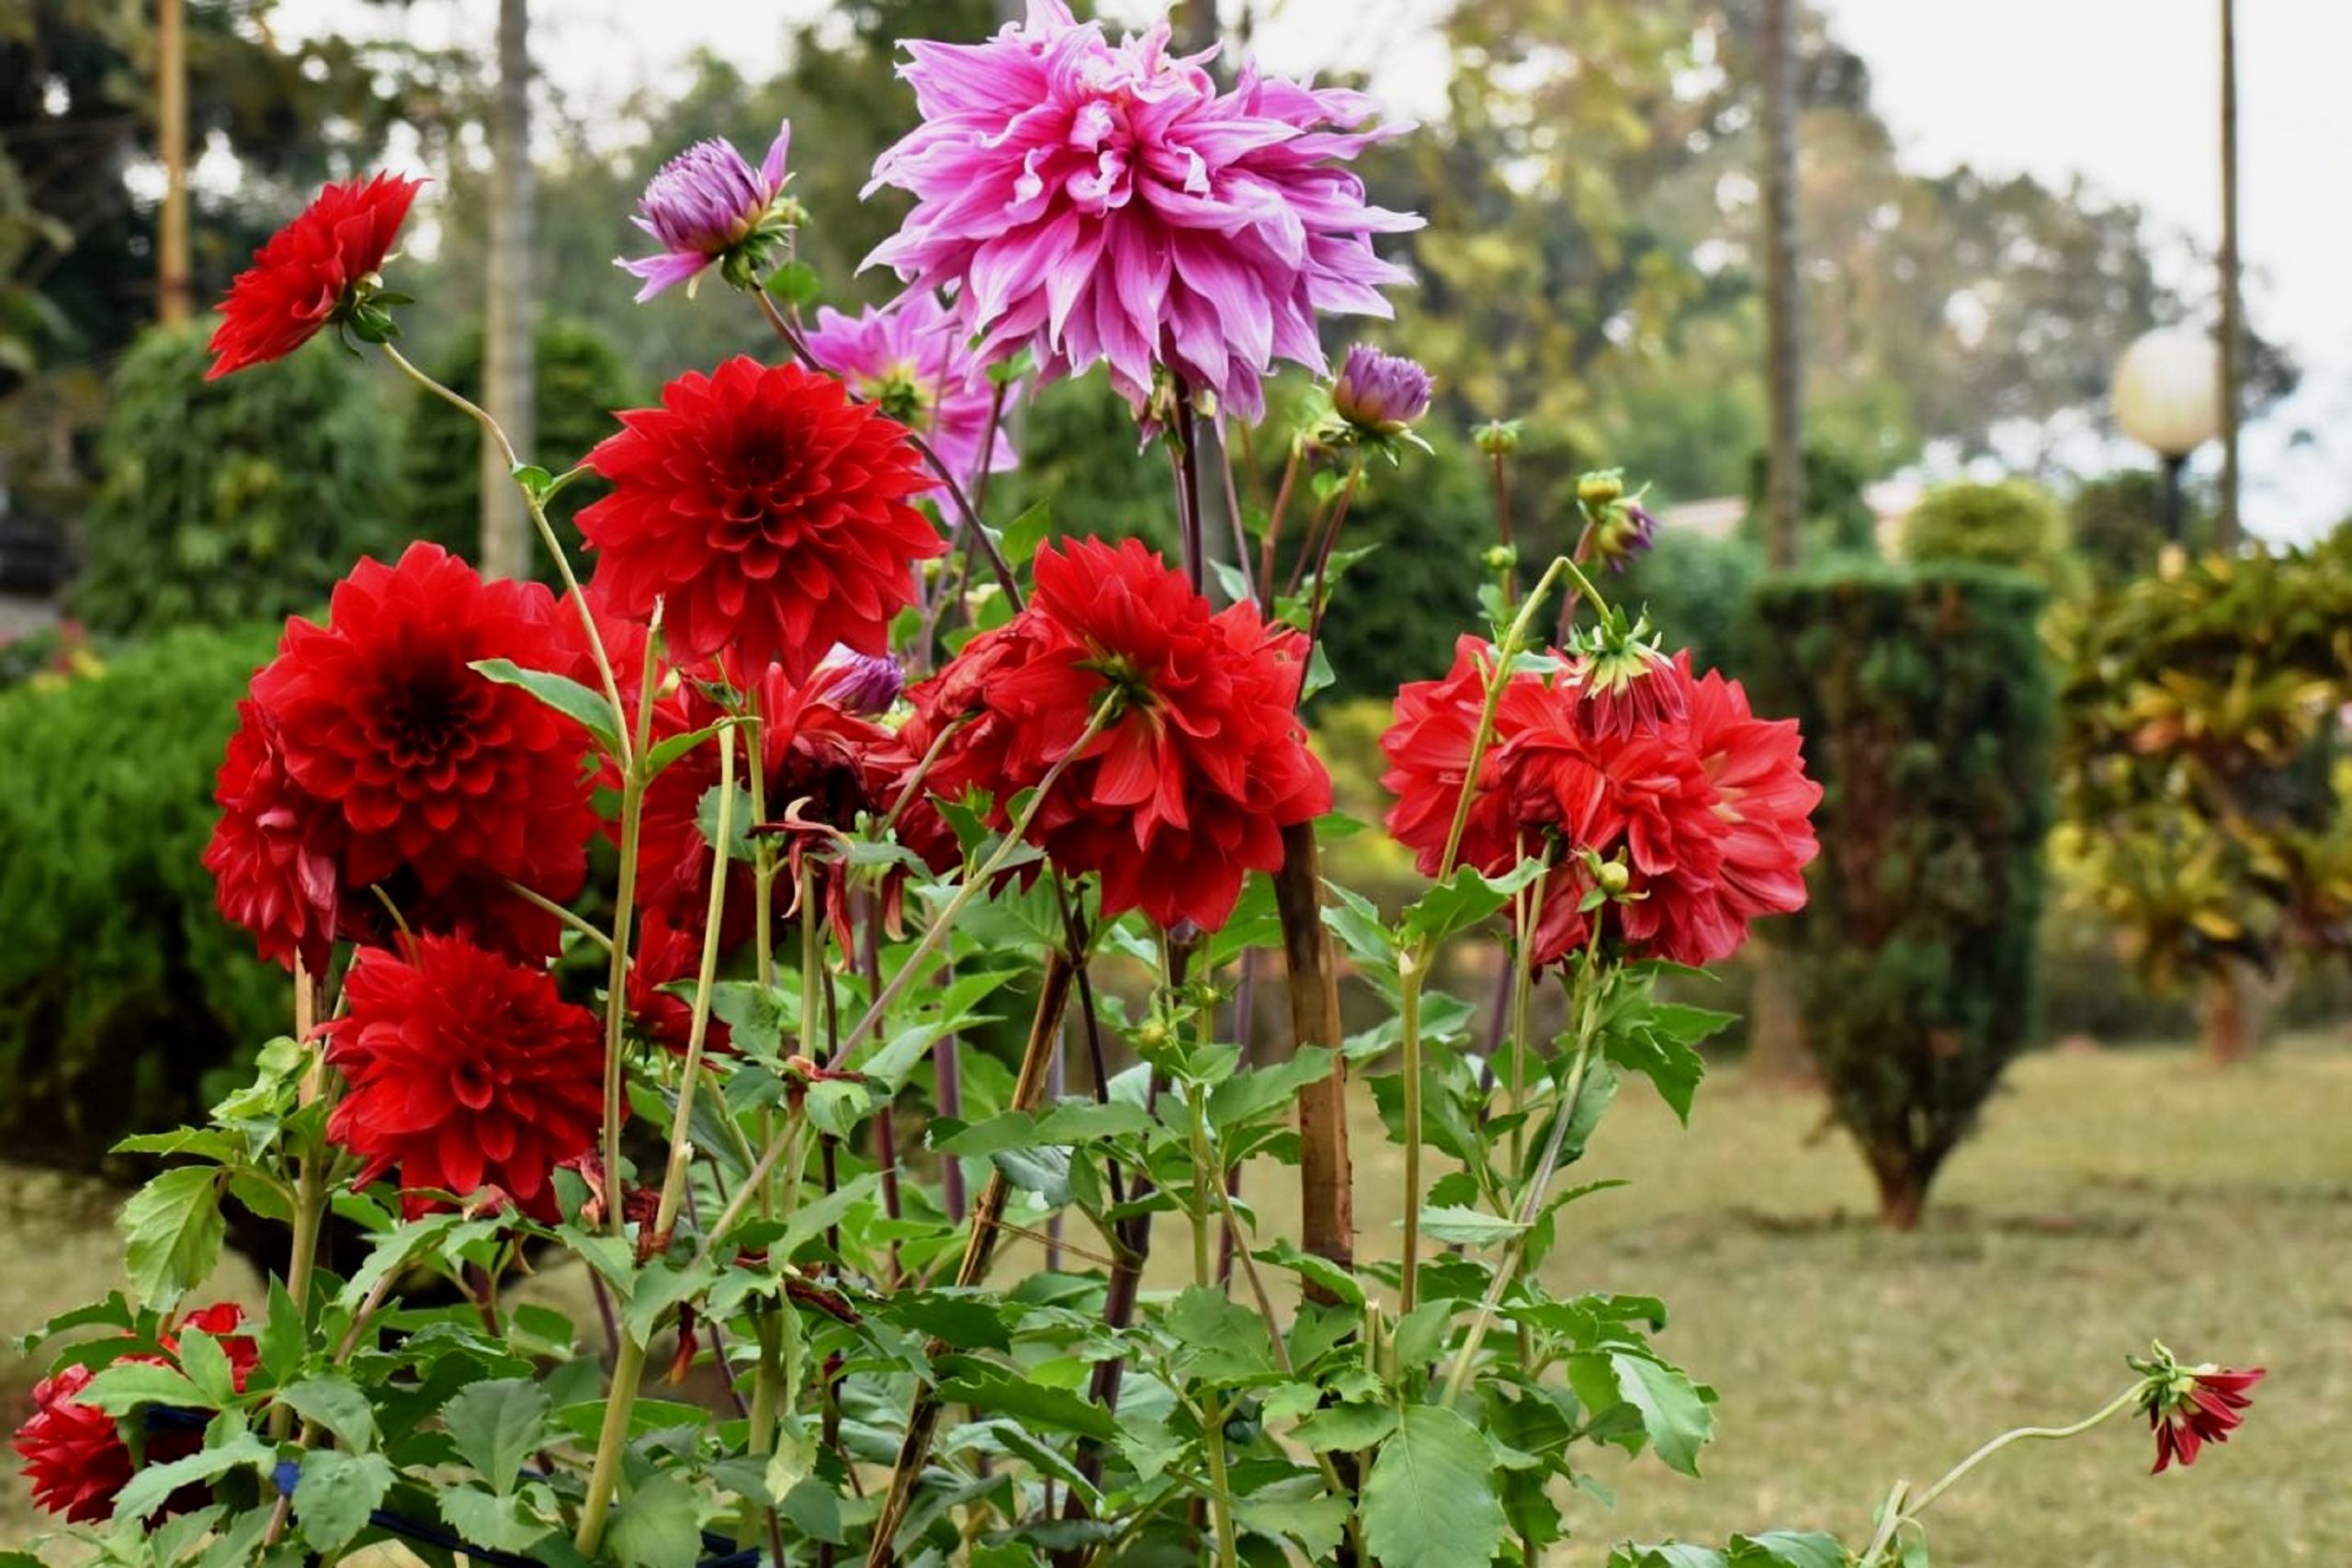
865	802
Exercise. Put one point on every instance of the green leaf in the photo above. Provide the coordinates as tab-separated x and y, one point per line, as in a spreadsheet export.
1467	1227
123	1387
814	1218
567	696
738	821
336	1494
1656	1042
497	1522
1317	1521
284	1338
1348	1427
1670	1554
147	1491
174	1229
797	284
1338	1283
1430	1499
963	1321
1224	1341
1462	902
497	1425
1675	1414
1025	533
995	1392
207	1366
336	1403
1787	1548
1044	1170
670	748
1255	1090
659	1527
658	1289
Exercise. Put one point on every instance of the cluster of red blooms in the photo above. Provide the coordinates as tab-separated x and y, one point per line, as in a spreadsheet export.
1704	806
75	1459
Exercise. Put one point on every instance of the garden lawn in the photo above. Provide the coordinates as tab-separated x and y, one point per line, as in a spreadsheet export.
2110	1197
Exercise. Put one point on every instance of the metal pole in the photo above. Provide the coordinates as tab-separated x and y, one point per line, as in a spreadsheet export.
2174	525
2225	529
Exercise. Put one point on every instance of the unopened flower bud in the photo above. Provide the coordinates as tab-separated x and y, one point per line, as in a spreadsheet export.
1626	530
1613	877
1500	557
1600	488
862	683
1497	437
1380	394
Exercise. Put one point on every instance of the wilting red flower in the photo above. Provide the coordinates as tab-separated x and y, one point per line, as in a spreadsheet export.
310	273
465	1071
446	782
2194	1406
1203	762
75	1460
1705	805
277	853
766	511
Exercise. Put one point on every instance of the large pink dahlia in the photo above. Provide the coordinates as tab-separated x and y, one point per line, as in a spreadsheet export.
912	360
1095	201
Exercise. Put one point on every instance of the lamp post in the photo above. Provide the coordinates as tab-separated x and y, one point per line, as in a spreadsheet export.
2168	397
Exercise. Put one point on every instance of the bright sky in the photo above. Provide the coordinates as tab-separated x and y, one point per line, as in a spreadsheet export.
2122	92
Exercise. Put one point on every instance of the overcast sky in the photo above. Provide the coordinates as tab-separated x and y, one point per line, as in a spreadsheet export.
2124	92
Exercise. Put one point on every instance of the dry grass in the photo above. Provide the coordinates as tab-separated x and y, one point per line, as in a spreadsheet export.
2109	1198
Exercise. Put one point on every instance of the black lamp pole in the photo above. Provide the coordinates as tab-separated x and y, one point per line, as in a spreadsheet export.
2174	463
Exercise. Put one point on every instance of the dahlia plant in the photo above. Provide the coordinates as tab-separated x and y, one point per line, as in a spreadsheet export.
835	893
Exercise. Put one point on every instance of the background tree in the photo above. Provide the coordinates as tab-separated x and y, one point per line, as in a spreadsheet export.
510	301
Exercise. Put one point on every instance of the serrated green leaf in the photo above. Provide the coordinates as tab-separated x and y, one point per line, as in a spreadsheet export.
336	1403
148	1490
1676	1416
497	1425
1255	1090
565	695
1668	1554
1313	1519
1223	1341
174	1230
1347	1427
498	1522
1467	1227
336	1494
207	1366
659	1288
993	1391
659	1526
1429	1501
1786	1548
1025	533
1462	901
967	1322
123	1387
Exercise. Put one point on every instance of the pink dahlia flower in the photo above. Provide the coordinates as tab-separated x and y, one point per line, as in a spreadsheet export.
912	359
706	205
1101	202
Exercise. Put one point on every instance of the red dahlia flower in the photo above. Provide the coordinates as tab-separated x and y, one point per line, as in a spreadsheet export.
1204	760
1705	805
446	782
465	1071
315	270
75	1460
665	954
277	853
2195	1406
766	511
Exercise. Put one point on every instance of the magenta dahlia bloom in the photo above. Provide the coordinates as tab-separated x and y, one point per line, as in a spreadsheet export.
912	359
1093	201
860	683
1381	393
709	206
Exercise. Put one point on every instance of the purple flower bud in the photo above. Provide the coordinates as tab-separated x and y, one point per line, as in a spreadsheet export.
864	684
1626	530
704	203
1382	393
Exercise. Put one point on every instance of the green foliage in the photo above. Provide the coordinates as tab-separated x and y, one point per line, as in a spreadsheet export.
232	499
1426	523
580	381
2013	524
1836	519
1927	715
2197	762
120	988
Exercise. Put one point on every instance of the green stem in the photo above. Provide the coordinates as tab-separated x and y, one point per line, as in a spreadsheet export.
1900	1513
1409	976
629	1369
681	1148
1514	640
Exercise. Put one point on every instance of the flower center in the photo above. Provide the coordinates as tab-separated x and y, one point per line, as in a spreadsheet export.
424	720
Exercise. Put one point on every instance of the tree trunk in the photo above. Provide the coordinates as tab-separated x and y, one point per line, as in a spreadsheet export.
1784	456
2227	1037
174	290
2225	526
1902	1193
508	373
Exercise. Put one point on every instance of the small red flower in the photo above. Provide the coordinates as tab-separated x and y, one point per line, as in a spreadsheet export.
2196	1406
465	1071
447	784
75	1460
665	954
277	853
766	511
1204	760
310	272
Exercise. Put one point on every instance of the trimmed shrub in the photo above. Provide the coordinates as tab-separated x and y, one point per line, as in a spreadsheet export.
1928	718
2013	524
236	500
2118	522
120	986
581	380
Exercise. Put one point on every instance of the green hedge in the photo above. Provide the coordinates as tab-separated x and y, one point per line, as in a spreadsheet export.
1928	718
2015	523
236	500
120	986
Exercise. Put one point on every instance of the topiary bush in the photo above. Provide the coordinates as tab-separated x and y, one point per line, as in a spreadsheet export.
2117	524
580	379
1928	718
234	499
2014	523
120	988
